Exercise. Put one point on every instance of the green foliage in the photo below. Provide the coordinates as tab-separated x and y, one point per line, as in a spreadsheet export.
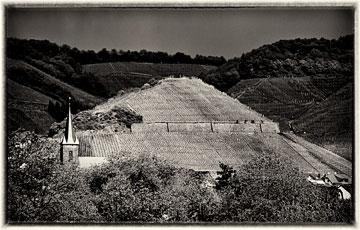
40	189
288	58
224	176
43	49
271	189
147	189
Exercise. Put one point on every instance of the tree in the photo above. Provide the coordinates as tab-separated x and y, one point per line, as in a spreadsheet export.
271	189
147	189
225	174
103	55
40	188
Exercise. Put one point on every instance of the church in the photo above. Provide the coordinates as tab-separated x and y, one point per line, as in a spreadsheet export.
69	143
70	147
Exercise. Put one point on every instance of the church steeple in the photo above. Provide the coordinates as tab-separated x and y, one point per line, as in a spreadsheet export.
69	144
69	135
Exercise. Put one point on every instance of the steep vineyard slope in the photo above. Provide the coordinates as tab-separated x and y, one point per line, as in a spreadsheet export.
285	99
180	116
183	99
307	103
16	91
330	123
204	152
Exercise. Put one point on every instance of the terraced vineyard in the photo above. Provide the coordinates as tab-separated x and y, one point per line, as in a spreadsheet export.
277	90
284	99
204	152
325	156
182	117
330	123
185	100
151	69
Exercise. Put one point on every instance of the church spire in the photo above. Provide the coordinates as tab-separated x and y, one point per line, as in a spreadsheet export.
69	135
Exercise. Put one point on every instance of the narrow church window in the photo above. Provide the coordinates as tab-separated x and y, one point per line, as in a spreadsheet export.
70	155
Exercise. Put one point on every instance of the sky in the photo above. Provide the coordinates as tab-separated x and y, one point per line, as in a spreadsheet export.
227	32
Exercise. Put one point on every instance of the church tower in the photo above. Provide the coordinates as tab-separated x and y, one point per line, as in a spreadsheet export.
69	144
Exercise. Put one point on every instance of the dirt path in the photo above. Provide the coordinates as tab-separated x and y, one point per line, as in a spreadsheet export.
321	159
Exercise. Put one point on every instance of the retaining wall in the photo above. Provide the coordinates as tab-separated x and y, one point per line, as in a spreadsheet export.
217	127
189	127
236	128
149	128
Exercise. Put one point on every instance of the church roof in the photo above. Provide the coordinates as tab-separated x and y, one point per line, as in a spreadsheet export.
69	135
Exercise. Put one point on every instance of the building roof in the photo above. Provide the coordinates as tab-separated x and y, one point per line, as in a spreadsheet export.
342	176
334	179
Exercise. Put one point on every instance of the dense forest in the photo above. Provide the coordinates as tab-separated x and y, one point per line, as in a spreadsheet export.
64	54
288	58
269	189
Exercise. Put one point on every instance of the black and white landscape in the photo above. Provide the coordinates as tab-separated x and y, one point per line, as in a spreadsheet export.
180	115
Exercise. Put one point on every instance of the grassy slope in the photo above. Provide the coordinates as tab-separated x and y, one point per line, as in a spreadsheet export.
19	117
18	92
33	85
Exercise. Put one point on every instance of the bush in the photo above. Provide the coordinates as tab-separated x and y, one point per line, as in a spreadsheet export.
271	189
146	189
40	189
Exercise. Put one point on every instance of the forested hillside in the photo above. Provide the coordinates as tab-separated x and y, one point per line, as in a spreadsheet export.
288	58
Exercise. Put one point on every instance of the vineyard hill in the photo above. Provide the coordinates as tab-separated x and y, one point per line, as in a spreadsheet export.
187	112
